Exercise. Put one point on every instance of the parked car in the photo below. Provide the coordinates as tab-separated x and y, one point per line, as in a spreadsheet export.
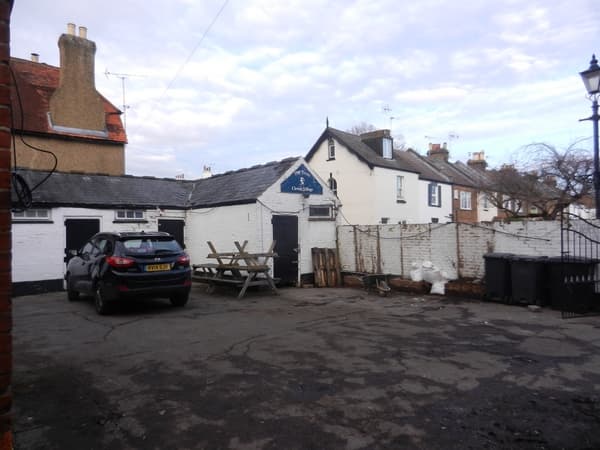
115	266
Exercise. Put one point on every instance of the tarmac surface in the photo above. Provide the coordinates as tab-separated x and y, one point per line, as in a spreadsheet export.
305	369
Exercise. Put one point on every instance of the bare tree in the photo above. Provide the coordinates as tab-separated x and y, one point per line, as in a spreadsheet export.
399	142
364	127
543	178
361	127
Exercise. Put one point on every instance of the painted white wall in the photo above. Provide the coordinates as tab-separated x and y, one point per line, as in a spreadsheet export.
485	214
385	201
252	222
355	181
457	249
38	248
222	226
425	212
311	233
368	195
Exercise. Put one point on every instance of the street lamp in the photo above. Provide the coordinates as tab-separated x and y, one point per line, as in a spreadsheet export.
591	80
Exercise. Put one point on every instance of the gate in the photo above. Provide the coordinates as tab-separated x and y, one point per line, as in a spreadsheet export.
578	275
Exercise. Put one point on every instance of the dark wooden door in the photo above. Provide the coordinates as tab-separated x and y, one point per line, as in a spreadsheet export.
174	227
285	235
78	231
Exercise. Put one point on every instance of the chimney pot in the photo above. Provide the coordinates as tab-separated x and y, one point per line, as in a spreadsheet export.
444	145
83	32
35	57
71	28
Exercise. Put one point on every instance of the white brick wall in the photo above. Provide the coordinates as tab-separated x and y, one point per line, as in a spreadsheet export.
38	248
457	249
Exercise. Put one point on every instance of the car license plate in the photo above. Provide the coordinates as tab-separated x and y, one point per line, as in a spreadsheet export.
157	267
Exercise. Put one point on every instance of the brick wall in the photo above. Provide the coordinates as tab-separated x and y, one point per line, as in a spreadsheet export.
5	240
464	215
457	249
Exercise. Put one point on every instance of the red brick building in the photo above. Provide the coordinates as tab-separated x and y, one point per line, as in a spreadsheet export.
5	230
59	110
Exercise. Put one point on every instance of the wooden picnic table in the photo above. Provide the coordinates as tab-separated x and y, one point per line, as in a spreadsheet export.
238	268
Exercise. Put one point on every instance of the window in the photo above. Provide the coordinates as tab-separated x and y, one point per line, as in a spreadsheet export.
330	149
400	189
465	200
320	212
435	195
333	184
435	220
385	220
41	215
387	148
129	214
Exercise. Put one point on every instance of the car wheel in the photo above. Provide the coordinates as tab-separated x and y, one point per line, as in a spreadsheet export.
179	299
101	304
72	295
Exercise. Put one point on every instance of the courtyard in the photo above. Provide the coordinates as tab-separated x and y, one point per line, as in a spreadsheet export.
305	369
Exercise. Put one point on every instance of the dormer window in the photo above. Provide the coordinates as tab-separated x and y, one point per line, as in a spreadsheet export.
387	148
330	149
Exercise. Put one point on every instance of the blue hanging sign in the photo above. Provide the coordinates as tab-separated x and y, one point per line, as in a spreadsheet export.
301	181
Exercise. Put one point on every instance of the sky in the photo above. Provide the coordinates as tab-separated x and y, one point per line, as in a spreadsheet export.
234	83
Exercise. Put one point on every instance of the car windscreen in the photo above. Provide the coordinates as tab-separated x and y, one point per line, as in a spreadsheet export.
147	246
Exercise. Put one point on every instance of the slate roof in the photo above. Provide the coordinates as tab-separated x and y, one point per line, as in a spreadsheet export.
102	191
478	178
426	170
127	191
240	186
403	160
455	175
36	82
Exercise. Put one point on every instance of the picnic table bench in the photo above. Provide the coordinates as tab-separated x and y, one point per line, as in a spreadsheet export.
239	268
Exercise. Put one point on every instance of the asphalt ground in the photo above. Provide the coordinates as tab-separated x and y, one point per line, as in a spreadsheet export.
305	369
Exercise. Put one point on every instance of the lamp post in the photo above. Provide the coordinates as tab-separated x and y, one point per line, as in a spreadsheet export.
591	80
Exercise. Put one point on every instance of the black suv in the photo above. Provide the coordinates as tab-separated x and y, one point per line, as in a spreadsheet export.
112	266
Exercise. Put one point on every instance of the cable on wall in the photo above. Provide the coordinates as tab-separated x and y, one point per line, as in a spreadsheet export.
20	186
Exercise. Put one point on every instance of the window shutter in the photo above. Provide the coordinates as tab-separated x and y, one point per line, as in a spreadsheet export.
430	196
439	195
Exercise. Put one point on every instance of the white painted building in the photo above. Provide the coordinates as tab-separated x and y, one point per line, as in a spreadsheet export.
377	184
283	200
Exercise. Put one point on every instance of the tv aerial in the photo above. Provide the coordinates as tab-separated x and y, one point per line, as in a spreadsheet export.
122	77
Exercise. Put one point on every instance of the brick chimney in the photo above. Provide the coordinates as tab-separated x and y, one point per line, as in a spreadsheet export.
439	152
76	103
380	141
478	161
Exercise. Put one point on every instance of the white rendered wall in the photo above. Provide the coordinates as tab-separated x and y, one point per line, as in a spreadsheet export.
385	200
485	214
426	212
355	182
